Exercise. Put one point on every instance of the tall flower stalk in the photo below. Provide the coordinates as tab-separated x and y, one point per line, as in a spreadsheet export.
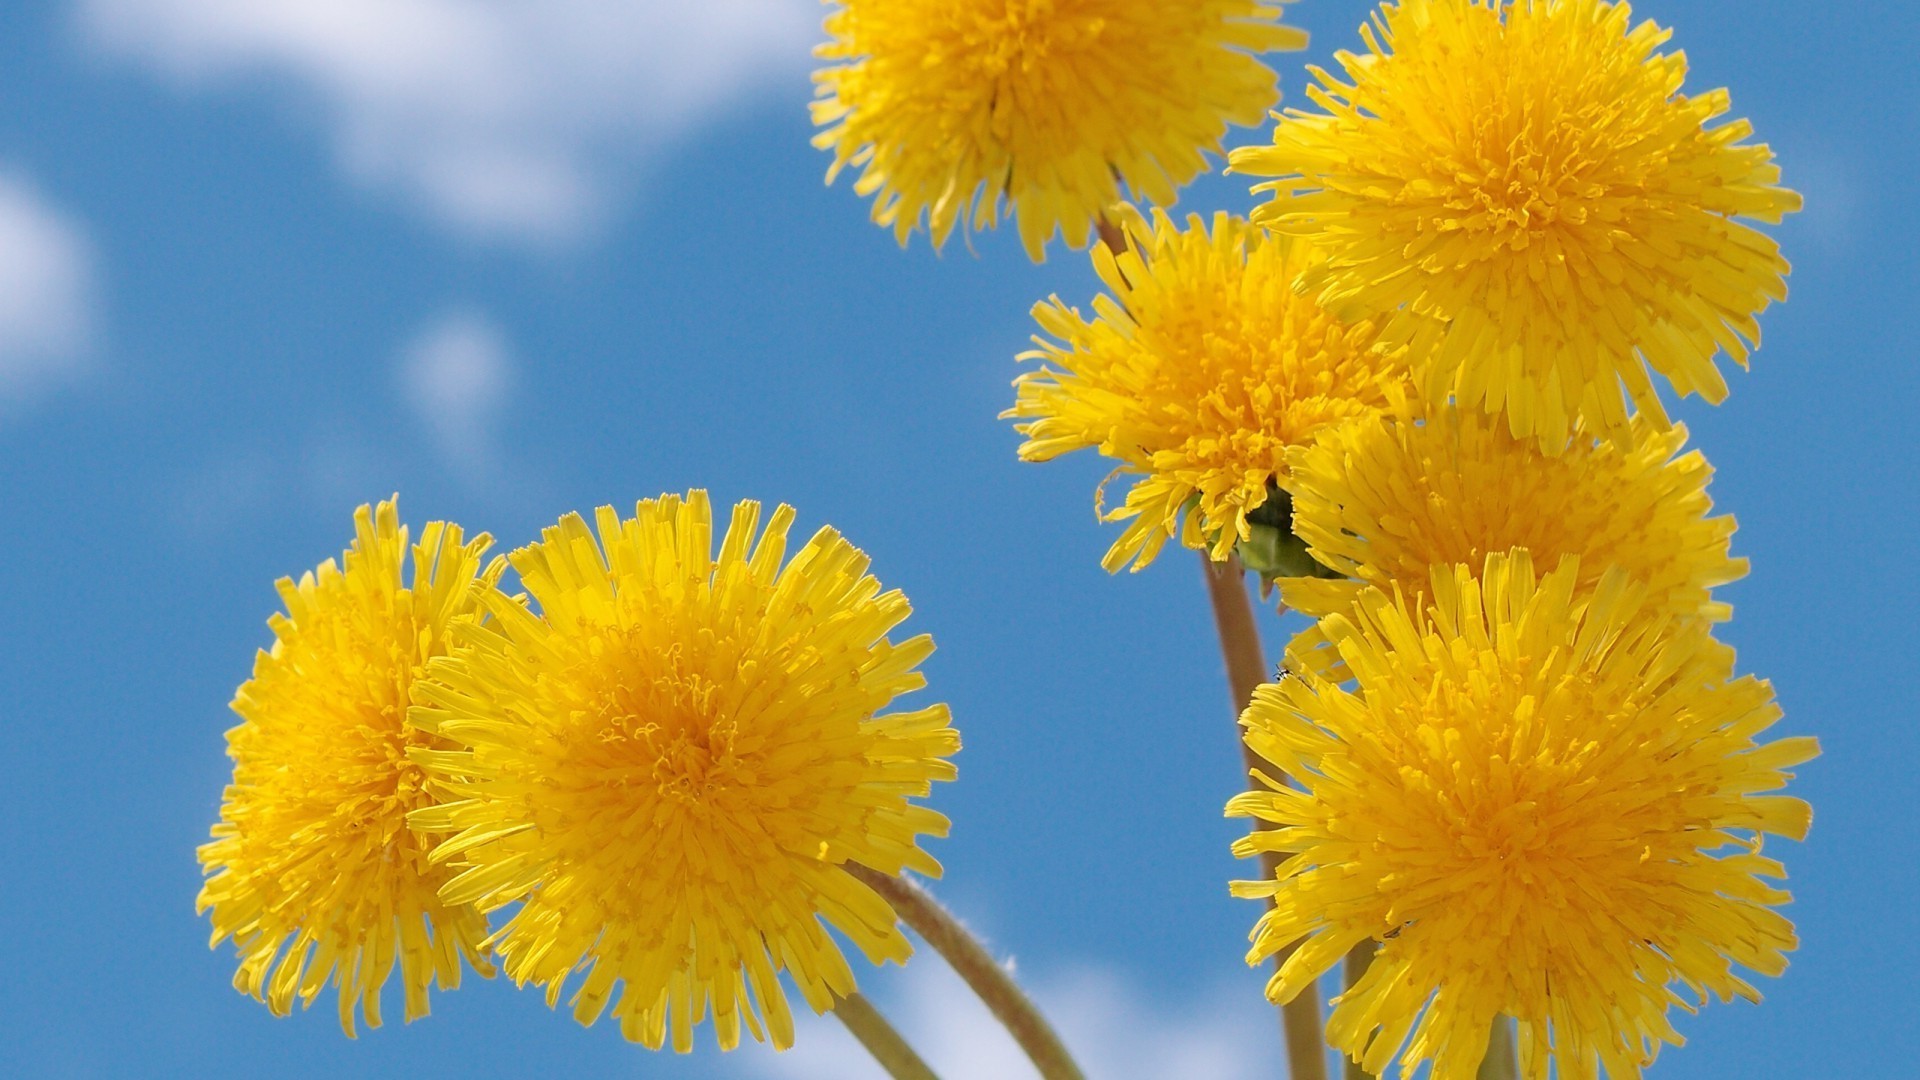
990	980
874	1032
1246	670
1200	372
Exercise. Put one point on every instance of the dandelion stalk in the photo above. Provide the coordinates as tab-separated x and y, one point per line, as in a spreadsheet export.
1500	1063
881	1039
1359	959
970	960
1247	669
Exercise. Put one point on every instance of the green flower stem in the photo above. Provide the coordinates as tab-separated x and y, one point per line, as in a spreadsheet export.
881	1039
970	960
1359	959
1501	1063
1247	669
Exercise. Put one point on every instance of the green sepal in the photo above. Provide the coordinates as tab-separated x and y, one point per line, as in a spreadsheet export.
1271	549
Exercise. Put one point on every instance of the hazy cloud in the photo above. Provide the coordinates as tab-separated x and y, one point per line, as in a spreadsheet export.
456	375
46	291
1831	182
516	118
1117	1031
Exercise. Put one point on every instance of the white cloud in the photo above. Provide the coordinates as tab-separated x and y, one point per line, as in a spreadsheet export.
1114	1030
456	375
516	118
46	291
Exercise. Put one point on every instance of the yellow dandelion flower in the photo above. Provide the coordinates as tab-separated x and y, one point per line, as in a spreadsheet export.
951	107
1545	802
1196	375
314	873
671	768
1384	501
1527	181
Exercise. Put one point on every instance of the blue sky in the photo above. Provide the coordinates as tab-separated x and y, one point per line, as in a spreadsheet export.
261	262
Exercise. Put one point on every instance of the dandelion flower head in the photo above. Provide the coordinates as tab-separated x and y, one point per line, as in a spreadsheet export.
312	869
952	108
1522	189
670	764
1383	501
1196	375
1545	802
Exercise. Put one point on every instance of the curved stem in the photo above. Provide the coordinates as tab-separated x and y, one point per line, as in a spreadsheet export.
881	1039
971	961
1247	669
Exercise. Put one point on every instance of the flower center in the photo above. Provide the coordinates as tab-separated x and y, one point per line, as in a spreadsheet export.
1522	179
665	732
1025	34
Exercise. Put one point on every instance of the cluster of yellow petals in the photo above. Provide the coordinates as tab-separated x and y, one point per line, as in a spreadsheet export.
1197	374
314	872
1544	800
1522	191
668	766
1385	501
1543	795
952	108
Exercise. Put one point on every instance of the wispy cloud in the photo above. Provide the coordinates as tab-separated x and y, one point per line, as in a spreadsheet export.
456	375
514	118
1117	1031
46	292
1830	179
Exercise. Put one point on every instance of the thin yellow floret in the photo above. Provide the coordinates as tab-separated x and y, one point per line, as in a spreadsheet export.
952	109
1387	500
1524	193
669	766
1543	801
1196	376
314	872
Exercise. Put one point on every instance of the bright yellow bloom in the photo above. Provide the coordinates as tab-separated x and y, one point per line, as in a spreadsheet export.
671	768
948	107
312	864
1197	374
1386	501
1545	802
1525	193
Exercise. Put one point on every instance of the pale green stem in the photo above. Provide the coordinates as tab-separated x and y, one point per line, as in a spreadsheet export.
881	1039
1247	669
1501	1063
990	981
1359	959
